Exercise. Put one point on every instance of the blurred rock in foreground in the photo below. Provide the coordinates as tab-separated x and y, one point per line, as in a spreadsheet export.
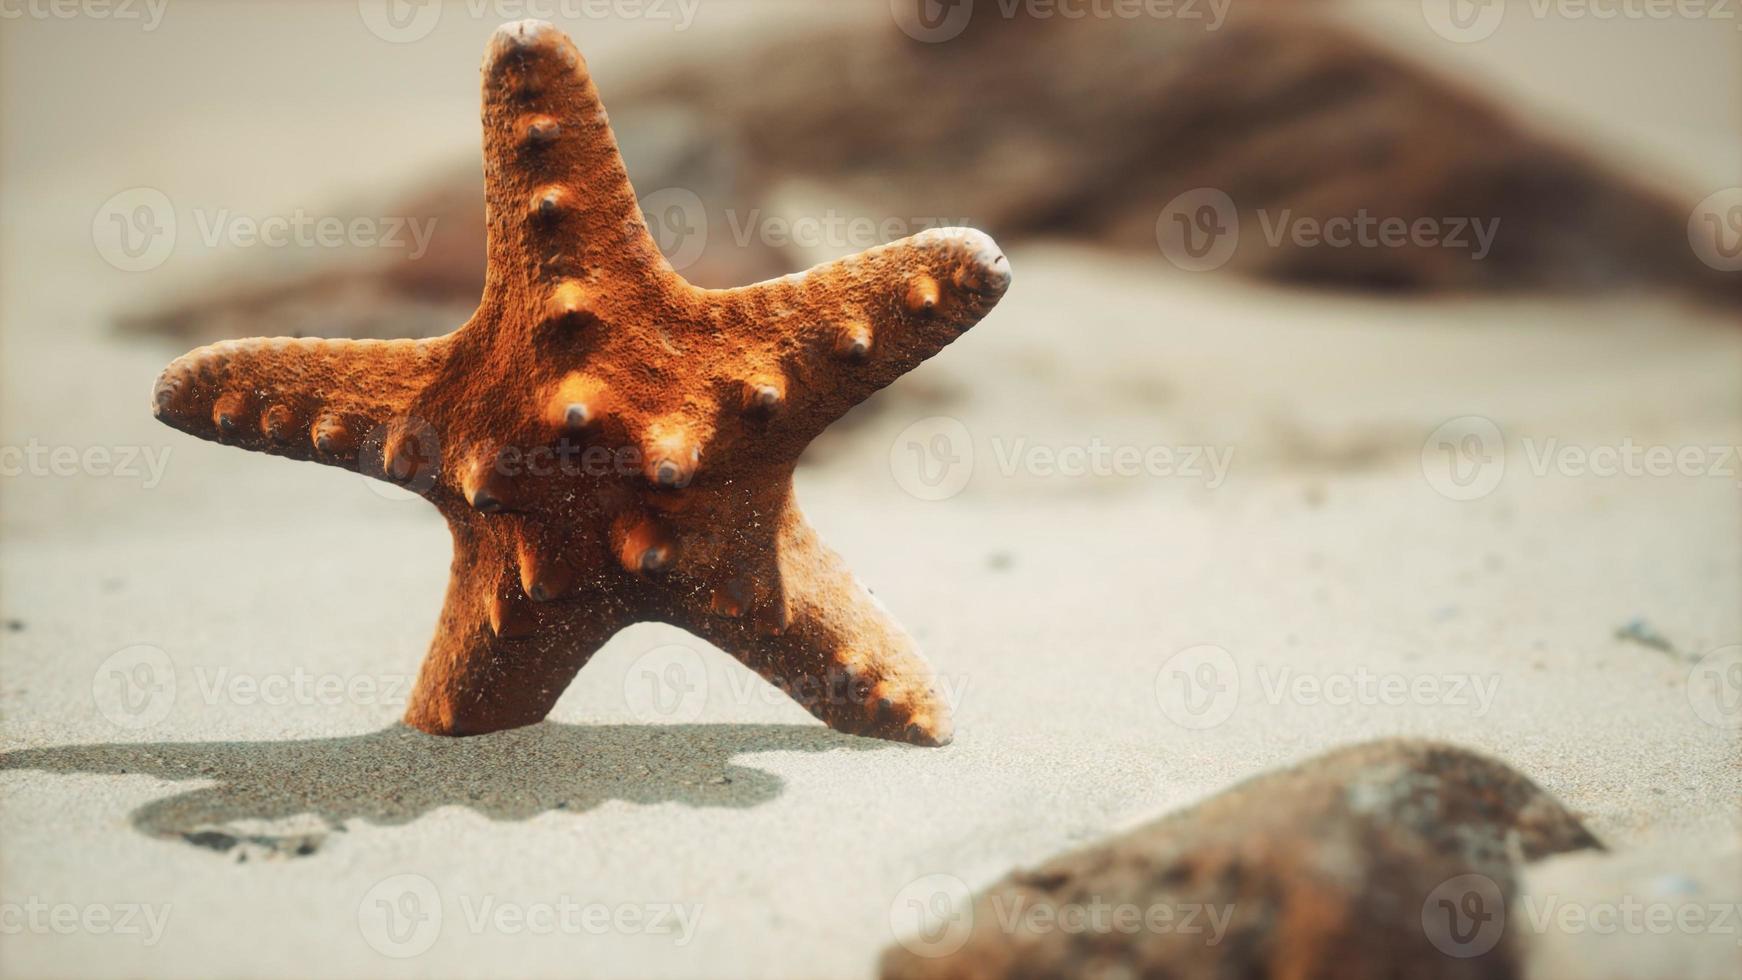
1387	859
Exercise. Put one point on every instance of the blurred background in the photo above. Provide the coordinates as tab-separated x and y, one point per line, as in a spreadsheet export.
1394	311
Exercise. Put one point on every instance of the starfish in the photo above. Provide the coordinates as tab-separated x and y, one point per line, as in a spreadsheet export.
608	443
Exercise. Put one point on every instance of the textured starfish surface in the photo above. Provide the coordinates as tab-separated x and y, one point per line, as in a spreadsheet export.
608	443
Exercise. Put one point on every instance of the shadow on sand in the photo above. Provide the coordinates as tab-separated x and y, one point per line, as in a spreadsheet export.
398	774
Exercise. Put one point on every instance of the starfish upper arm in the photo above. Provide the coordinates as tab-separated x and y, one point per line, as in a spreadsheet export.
555	185
840	331
302	397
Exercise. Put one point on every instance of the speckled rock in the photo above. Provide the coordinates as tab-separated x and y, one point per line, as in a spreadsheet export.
1386	859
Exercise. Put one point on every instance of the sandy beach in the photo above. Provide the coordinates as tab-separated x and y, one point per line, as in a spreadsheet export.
1384	516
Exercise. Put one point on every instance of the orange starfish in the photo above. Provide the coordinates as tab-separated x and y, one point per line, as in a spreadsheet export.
608	443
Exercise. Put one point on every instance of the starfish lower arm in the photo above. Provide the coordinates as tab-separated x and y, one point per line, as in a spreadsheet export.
833	647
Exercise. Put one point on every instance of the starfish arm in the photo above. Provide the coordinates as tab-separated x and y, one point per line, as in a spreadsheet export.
500	659
305	398
828	338
825	640
566	236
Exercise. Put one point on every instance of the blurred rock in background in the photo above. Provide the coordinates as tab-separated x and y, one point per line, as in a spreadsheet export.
1273	119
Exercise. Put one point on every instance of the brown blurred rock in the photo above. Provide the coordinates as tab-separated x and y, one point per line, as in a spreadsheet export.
1086	129
1388	859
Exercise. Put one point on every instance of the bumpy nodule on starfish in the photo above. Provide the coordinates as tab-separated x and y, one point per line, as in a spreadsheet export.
608	443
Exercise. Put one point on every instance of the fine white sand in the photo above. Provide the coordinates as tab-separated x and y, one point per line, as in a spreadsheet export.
1325	559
